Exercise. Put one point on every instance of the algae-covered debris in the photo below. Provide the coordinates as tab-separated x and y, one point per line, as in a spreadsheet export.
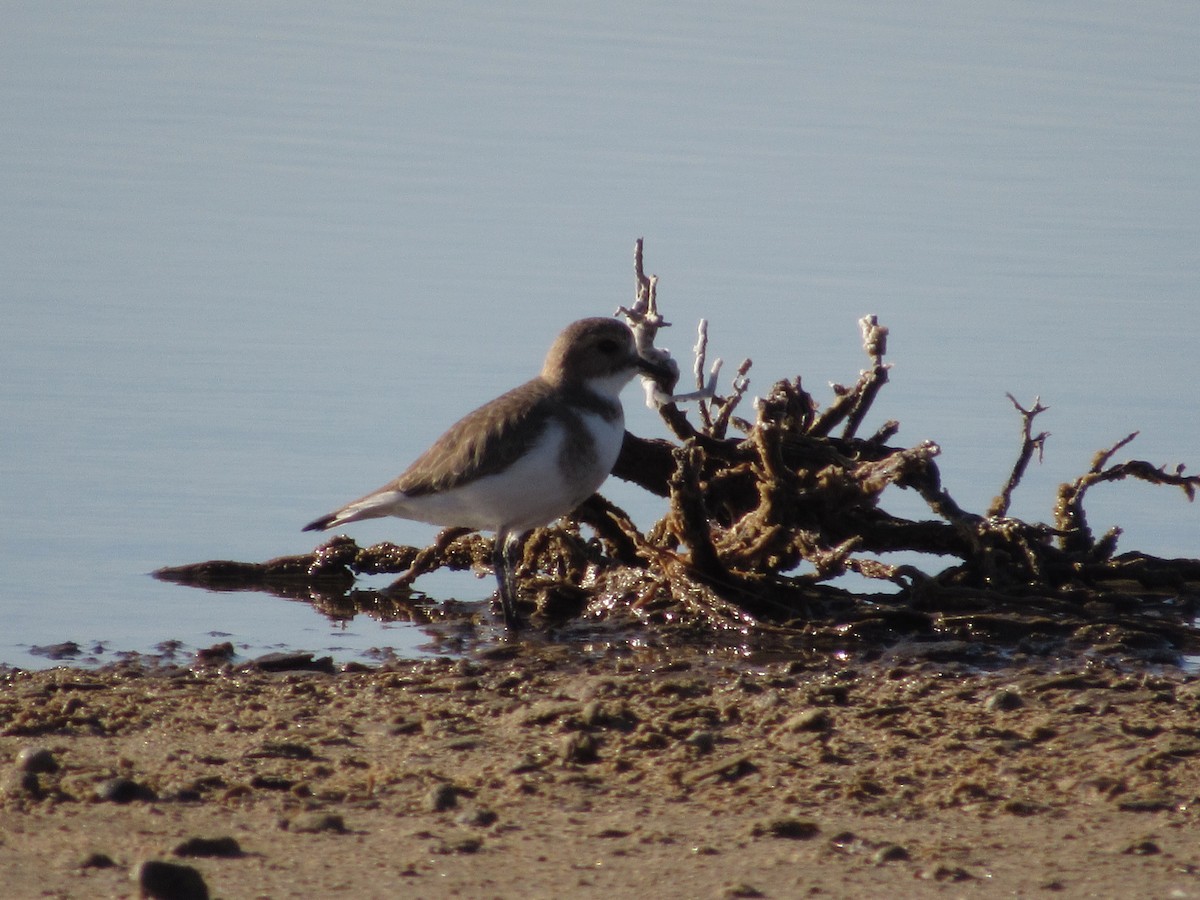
764	511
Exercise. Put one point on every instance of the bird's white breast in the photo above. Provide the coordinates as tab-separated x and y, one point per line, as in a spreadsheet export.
534	491
607	436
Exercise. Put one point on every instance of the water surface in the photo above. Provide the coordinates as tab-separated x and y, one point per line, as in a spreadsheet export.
256	259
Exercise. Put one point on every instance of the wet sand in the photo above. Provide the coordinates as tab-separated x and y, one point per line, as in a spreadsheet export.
546	772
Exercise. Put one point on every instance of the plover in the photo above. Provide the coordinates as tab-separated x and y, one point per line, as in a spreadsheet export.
527	457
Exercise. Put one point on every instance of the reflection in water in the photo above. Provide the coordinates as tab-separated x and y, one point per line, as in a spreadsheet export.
1131	621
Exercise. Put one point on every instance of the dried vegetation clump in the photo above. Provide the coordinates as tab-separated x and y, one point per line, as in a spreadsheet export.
763	513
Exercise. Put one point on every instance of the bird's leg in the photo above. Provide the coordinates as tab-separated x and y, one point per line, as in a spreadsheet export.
504	561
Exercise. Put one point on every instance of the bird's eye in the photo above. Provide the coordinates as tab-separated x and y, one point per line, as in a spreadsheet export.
608	346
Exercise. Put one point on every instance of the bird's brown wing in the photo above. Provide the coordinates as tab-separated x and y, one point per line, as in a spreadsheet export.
482	443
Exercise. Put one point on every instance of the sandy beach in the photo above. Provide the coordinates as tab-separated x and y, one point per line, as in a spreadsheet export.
541	771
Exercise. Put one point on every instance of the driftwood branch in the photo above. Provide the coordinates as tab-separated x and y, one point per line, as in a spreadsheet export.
758	524
1030	444
1070	518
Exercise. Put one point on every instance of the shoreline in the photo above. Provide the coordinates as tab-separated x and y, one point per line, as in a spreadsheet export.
536	771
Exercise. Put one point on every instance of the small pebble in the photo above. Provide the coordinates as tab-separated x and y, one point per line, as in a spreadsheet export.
1146	803
224	847
65	650
593	714
1021	808
581	748
217	653
123	790
459	844
405	725
314	823
169	881
291	662
947	873
740	890
702	741
21	784
97	861
479	817
809	720
730	768
844	840
36	759
795	829
441	797
890	853
271	783
1004	700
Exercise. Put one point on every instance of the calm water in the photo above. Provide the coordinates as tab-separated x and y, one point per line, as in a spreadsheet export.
256	259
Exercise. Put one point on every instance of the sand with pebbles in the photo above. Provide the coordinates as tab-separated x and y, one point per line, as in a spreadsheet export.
549	772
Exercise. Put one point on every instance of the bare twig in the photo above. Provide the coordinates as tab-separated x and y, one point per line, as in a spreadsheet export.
1069	515
852	404
645	320
689	514
875	343
727	405
1029	443
431	557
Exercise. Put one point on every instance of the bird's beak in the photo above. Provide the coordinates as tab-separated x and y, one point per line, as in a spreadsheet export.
660	372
